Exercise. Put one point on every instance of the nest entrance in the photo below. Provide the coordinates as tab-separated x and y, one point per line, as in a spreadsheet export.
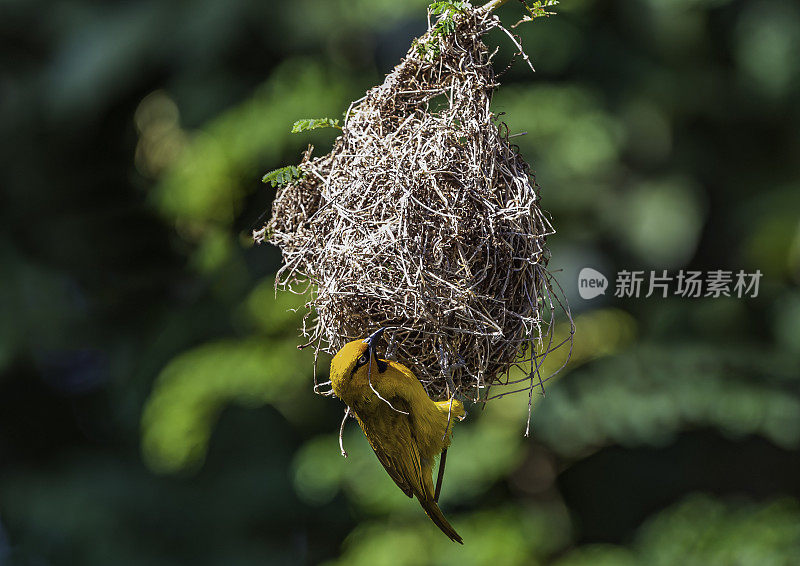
425	219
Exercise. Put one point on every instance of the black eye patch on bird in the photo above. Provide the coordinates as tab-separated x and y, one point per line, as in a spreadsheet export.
364	358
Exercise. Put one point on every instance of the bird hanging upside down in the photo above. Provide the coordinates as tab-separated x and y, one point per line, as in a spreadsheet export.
405	428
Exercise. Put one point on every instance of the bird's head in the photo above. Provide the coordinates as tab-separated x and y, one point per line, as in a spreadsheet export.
356	355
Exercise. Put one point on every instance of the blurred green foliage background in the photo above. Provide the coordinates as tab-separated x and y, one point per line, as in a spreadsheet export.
154	408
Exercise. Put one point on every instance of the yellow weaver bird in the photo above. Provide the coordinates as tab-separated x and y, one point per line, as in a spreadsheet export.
405	428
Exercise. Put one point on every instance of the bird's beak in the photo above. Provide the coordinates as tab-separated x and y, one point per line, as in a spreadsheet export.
373	338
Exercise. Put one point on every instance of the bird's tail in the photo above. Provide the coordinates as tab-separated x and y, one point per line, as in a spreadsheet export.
451	411
433	511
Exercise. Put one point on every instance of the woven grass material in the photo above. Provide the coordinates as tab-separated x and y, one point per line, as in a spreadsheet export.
425	220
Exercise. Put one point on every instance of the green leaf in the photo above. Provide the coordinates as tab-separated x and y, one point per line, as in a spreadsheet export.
538	10
282	176
445	5
313	124
446	25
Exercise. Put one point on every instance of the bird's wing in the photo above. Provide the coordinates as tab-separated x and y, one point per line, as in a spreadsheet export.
392	438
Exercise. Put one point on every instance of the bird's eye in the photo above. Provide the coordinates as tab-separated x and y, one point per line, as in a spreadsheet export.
362	359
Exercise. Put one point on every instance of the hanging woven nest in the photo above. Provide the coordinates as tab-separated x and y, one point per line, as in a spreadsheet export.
425	220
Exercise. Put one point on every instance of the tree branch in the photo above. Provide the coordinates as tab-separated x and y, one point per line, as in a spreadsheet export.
493	5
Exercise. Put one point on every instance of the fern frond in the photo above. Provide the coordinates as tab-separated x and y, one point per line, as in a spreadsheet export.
448	26
445	26
313	124
537	10
451	5
283	176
